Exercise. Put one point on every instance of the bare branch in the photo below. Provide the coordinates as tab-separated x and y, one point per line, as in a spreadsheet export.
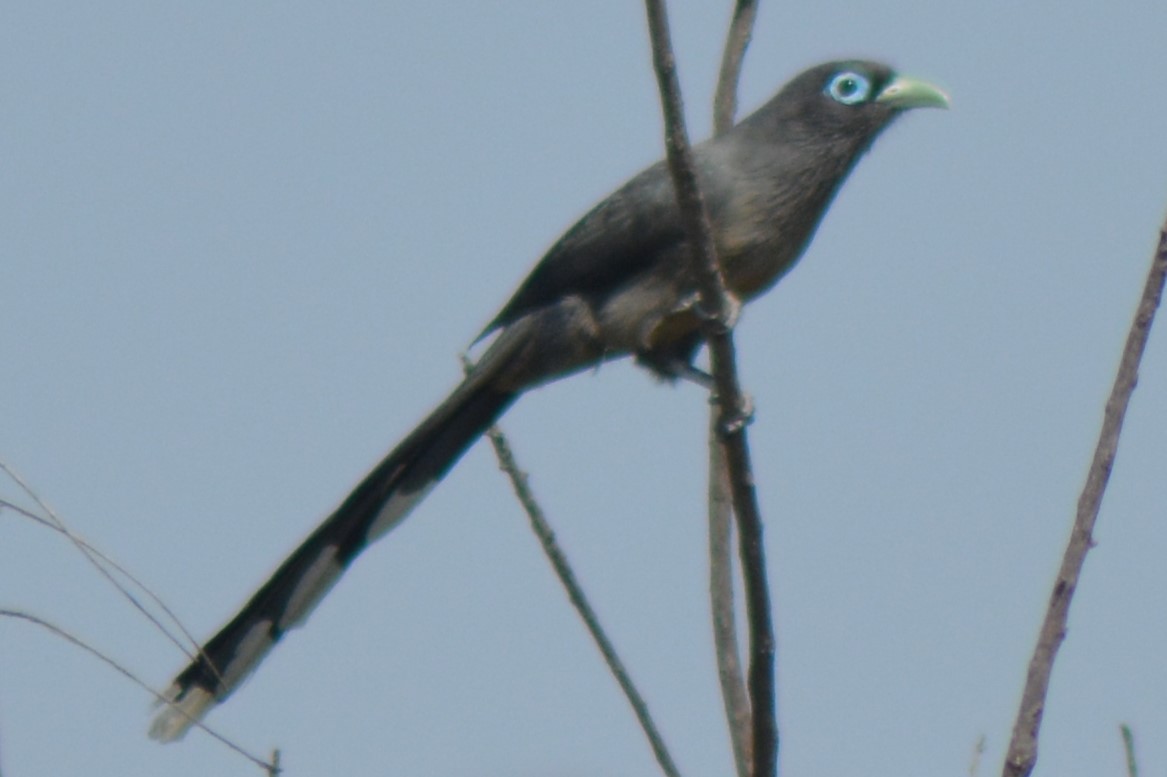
559	562
729	668
1022	754
78	642
741	29
721	597
103	564
719	309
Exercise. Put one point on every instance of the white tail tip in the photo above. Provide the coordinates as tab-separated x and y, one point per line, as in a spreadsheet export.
178	717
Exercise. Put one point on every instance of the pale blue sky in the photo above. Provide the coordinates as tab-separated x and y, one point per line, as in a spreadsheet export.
243	244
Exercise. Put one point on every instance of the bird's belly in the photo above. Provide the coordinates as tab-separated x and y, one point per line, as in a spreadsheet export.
647	314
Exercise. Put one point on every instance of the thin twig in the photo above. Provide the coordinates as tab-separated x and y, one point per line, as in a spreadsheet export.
551	549
65	635
1022	754
741	29
1128	746
721	595
102	563
719	309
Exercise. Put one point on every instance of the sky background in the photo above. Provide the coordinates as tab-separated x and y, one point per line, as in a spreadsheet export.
243	243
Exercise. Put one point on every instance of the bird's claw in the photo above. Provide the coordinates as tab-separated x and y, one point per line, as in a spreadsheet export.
735	419
729	317
733	310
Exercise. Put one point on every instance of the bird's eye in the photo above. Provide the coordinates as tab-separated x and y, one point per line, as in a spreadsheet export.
848	88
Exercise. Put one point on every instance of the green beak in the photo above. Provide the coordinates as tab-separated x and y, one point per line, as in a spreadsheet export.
904	93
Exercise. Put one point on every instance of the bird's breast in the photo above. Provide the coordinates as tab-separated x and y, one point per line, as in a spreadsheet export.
763	232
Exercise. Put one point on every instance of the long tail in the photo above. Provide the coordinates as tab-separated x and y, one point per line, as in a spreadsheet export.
375	506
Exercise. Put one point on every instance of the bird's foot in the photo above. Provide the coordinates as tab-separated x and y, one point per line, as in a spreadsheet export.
686	371
727	320
734	419
733	310
671	369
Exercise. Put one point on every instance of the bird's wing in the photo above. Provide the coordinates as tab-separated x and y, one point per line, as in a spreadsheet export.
614	242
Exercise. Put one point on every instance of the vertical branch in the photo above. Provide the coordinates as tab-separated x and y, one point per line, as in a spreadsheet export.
729	671
1022	754
729	667
719	310
741	29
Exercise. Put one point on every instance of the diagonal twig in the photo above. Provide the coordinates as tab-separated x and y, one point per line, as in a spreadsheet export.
559	562
1022	753
78	642
551	549
719	309
111	570
103	564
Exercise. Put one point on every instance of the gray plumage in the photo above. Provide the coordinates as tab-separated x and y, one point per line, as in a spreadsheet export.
616	284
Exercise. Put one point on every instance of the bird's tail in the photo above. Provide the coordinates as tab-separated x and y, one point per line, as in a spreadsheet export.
375	506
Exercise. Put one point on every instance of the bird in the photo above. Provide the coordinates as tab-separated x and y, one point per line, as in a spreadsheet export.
618	283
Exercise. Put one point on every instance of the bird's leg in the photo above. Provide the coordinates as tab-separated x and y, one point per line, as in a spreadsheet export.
685	371
670	366
741	415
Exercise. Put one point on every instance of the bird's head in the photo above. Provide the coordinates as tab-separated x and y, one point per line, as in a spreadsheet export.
845	102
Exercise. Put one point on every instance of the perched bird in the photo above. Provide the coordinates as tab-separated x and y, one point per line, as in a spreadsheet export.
617	283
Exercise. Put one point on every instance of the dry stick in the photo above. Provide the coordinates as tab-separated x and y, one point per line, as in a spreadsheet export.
1022	755
718	309
65	635
542	529
559	562
729	666
729	671
95	556
741	29
102	563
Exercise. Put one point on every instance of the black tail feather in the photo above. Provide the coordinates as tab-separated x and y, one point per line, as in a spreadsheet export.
381	500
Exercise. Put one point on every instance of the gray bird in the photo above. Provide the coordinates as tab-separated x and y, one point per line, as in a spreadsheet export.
617	283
